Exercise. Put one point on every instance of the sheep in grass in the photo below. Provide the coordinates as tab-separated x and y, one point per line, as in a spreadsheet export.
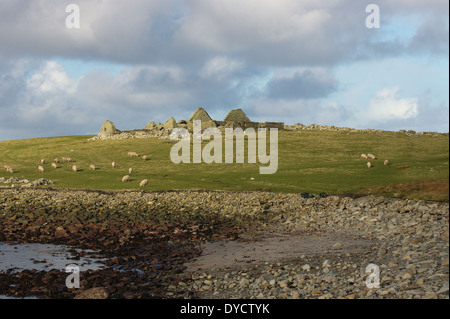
113	164
363	156
57	160
386	162
130	171
74	168
8	169
92	167
369	164
126	178
371	156
42	161
133	154
40	169
143	183
144	157
54	165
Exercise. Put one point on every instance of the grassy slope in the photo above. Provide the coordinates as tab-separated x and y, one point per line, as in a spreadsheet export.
309	161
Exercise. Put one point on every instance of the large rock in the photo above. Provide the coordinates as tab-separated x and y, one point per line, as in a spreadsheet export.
93	293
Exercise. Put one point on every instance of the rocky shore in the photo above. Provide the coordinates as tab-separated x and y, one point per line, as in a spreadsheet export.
16	182
217	244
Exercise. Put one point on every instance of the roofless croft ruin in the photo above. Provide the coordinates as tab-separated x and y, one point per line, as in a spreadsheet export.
235	118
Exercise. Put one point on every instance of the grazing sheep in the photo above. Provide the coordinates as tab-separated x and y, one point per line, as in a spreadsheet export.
54	165
8	169
144	157
42	161
92	167
114	164
143	183
40	169
386	162
57	160
371	156
126	178
369	164
130	170
133	154
363	156
74	168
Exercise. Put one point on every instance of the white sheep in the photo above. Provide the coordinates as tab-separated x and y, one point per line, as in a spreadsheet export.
92	167
143	183
363	156
54	165
74	168
369	164
144	157
42	161
57	160
126	178
386	162
8	169
130	170
371	156
133	154
113	164
40	169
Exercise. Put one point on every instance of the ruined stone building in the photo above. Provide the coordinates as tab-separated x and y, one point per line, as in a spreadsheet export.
235	118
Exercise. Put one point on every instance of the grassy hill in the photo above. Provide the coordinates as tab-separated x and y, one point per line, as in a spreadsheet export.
309	161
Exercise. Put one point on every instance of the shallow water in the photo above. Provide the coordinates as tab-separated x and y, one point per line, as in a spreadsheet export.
45	257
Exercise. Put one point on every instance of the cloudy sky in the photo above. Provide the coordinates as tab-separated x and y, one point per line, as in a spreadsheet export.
296	61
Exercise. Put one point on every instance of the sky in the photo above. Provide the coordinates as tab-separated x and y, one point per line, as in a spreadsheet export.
294	61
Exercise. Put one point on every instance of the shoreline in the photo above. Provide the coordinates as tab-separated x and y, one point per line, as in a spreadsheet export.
316	243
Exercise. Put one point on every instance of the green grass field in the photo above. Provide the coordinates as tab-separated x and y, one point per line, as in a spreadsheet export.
309	161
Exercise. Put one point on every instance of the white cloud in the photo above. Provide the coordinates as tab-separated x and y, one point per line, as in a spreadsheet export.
51	78
386	105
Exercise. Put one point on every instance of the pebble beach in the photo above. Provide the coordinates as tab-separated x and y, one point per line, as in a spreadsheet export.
220	244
